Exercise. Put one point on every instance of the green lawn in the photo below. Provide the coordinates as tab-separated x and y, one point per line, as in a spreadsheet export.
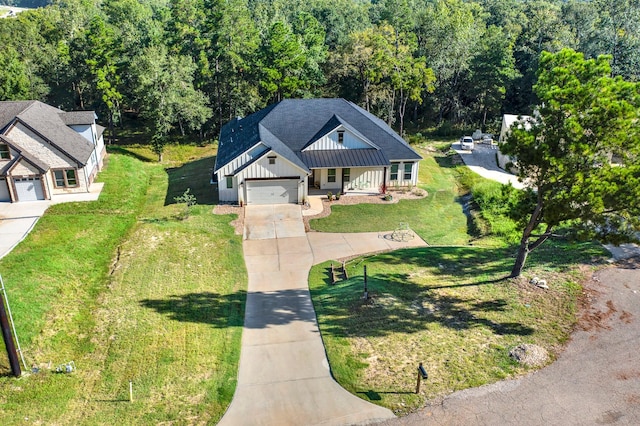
437	218
128	292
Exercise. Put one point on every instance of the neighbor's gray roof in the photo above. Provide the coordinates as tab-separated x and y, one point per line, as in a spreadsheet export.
289	126
47	121
78	117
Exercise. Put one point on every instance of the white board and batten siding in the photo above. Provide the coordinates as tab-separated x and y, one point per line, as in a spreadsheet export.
330	142
269	166
360	178
400	180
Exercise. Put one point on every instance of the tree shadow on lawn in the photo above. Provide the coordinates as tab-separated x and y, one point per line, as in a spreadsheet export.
397	305
264	309
195	176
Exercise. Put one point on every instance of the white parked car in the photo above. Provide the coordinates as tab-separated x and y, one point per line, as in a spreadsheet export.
466	142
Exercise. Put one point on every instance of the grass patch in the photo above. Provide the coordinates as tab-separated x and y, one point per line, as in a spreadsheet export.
128	292
447	307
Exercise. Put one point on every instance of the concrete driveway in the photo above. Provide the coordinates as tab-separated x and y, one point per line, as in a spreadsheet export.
16	221
284	376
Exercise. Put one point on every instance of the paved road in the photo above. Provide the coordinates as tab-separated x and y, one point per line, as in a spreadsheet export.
284	376
595	381
482	160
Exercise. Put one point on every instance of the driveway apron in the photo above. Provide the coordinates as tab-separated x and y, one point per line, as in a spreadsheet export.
284	376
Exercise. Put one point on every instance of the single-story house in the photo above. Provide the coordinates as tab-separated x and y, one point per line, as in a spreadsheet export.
46	152
282	152
507	121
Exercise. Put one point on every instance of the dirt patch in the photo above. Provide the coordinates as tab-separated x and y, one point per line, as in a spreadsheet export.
528	354
237	223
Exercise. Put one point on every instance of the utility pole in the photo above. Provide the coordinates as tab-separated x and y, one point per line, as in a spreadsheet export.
8	338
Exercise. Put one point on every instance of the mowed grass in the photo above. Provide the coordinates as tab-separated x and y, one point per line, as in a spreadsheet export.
129	293
450	307
437	218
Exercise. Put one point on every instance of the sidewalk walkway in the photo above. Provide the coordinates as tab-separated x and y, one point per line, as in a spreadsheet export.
284	376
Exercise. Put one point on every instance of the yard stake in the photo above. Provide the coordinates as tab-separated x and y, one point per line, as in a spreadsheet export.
9	344
130	391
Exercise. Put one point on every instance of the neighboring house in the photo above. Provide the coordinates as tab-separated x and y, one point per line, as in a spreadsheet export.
46	152
507	121
277	155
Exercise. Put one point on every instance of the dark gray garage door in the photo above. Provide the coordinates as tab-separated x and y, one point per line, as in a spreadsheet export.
29	189
4	190
281	191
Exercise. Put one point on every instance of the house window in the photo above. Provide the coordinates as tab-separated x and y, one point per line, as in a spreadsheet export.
331	175
346	175
340	136
394	172
272	160
408	167
4	152
65	178
229	182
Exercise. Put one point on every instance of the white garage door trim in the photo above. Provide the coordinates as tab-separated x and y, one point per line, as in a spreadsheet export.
272	191
4	190
29	189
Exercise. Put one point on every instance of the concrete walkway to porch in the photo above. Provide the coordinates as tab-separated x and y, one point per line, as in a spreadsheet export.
284	376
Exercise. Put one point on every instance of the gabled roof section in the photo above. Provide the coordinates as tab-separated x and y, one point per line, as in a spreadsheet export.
334	122
48	123
239	135
23	154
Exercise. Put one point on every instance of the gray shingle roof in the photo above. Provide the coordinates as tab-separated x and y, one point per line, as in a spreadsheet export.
78	117
289	126
47	121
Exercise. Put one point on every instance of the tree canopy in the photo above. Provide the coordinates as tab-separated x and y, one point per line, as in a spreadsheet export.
449	64
579	153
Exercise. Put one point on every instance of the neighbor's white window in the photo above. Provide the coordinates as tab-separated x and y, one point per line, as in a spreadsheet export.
407	170
4	152
340	136
331	175
65	178
229	182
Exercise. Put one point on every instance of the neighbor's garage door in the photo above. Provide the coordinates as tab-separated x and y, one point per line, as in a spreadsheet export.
272	191
29	189
4	190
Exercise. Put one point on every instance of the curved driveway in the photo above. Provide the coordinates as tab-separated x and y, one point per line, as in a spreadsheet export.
284	376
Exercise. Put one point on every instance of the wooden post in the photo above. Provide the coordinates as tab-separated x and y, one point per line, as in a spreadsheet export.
418	384
344	271
366	291
130	391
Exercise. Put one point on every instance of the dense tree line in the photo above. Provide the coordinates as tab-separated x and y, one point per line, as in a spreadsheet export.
188	66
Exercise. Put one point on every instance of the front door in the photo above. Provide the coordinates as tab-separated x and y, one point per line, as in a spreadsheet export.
346	179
